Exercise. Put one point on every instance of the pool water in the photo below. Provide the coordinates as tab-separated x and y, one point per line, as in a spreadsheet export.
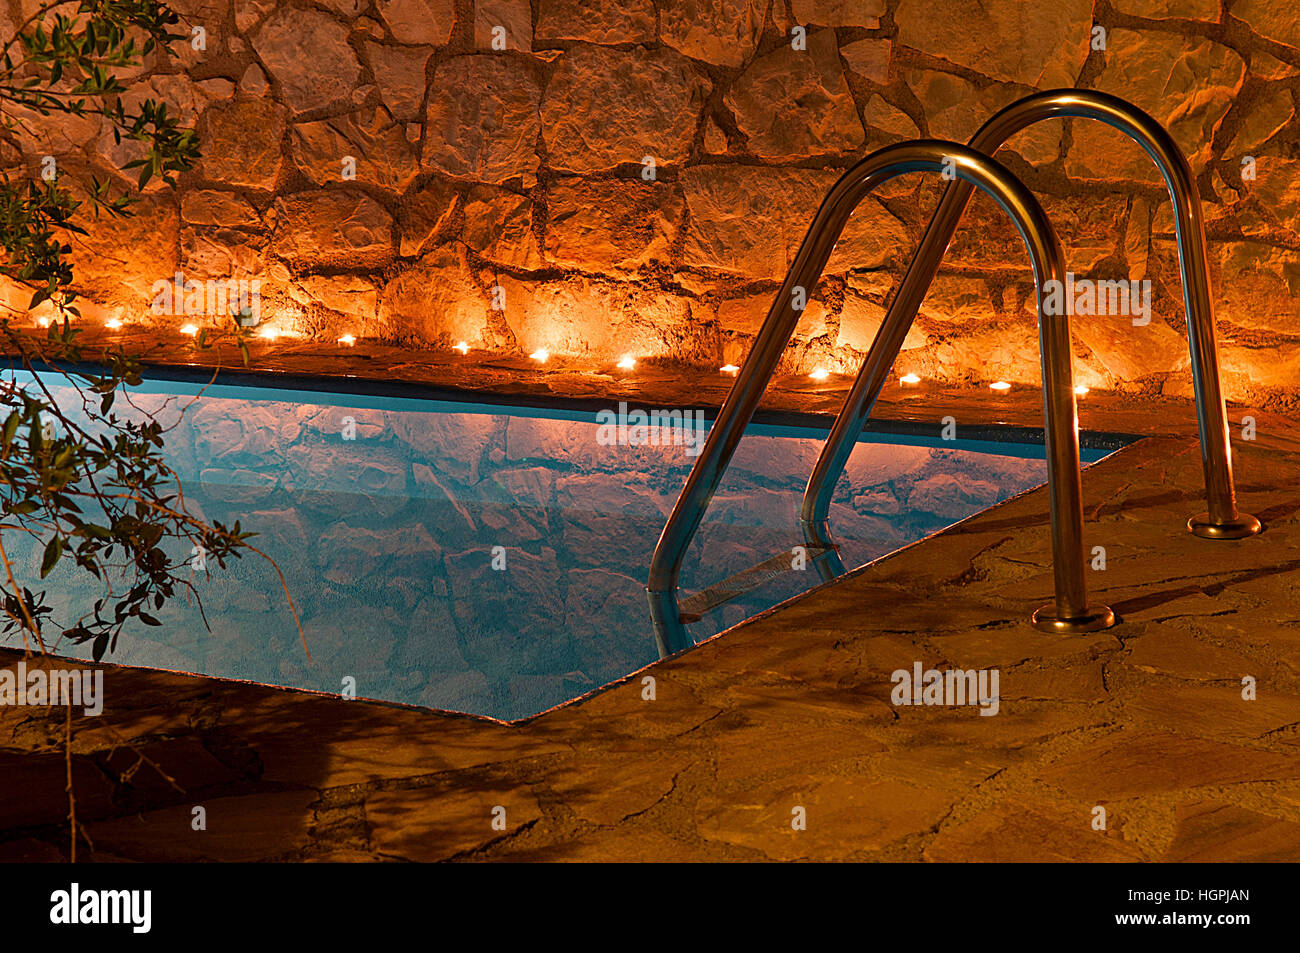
487	559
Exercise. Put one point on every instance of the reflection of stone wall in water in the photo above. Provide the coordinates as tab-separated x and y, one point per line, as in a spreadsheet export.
524	168
386	540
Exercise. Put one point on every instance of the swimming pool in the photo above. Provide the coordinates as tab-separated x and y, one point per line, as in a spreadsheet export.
484	558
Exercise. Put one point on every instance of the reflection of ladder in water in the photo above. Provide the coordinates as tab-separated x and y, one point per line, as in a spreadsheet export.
970	164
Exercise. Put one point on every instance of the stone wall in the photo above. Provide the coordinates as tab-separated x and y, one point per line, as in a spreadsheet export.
526	169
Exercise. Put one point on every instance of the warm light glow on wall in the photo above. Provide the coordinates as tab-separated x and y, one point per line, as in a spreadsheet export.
1000	386
269	333
540	355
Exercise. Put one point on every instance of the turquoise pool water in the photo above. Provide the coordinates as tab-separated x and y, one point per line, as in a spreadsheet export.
488	559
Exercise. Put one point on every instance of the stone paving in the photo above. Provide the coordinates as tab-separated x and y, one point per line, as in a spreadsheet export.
791	710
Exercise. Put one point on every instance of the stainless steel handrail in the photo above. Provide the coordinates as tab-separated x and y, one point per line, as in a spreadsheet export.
1222	521
1071	611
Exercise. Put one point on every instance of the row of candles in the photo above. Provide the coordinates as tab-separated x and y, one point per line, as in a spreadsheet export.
913	380
818	374
542	355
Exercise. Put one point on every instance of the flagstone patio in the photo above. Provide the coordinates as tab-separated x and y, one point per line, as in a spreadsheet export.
791	710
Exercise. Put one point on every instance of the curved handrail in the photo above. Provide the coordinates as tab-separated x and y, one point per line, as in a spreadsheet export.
1071	611
1222	521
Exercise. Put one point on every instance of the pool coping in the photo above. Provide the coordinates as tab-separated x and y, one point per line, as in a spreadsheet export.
196	374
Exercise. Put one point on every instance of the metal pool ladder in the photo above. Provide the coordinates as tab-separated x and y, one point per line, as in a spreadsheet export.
971	167
1222	521
1071	607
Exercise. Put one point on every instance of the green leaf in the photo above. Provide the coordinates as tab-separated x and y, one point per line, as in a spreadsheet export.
53	550
10	428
